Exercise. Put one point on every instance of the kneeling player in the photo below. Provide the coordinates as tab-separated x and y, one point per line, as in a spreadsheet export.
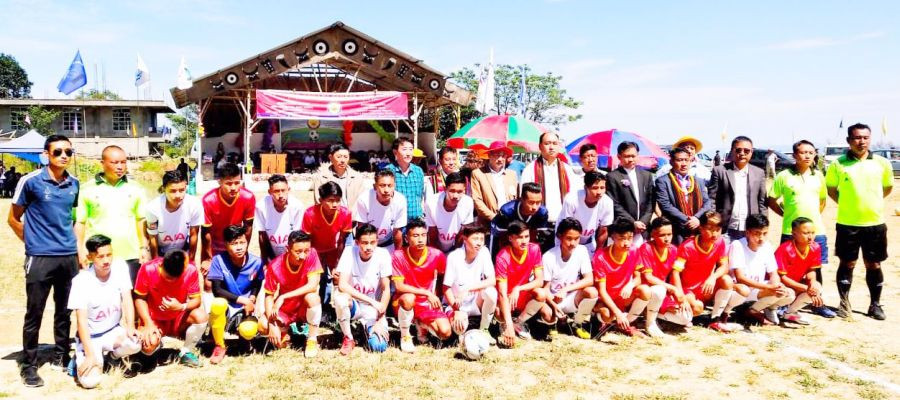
236	278
756	272
291	286
798	259
101	296
568	277
469	283
167	301
617	273
658	257
415	274
364	289
520	280
702	268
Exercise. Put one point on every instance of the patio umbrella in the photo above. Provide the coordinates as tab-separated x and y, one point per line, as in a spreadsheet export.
519	133
607	142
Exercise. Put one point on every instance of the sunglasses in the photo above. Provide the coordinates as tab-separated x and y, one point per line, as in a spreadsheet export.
59	152
744	151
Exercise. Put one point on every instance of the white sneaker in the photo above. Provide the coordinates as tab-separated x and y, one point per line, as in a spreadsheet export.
406	344
654	331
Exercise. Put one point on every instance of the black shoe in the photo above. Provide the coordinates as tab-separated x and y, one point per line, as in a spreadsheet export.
844	311
876	312
31	378
61	361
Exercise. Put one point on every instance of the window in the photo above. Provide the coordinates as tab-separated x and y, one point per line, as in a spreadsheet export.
72	117
121	119
17	118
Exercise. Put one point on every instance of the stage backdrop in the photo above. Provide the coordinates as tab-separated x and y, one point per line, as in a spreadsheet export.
286	104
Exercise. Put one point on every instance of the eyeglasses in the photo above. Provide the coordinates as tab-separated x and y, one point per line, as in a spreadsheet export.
744	151
59	152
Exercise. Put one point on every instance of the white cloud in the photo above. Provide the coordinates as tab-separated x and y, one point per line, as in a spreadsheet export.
813	43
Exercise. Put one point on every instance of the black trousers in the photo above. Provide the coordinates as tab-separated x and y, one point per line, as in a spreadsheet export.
134	266
43	273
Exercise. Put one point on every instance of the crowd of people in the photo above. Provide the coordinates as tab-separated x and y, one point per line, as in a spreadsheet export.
434	253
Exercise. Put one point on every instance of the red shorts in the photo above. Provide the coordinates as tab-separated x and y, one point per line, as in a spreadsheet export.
422	311
524	298
292	311
698	292
620	301
174	327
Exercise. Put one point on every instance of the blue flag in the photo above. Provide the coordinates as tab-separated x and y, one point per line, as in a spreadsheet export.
75	76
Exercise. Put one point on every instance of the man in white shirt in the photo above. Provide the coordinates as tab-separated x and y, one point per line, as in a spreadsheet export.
592	208
469	281
738	189
277	215
632	191
385	208
754	268
174	218
569	278
100	297
554	175
446	213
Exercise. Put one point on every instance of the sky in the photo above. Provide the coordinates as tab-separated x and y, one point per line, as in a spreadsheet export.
772	70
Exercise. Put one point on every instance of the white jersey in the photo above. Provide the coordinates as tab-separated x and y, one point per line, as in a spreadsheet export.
278	225
591	218
173	229
754	265
563	273
102	300
460	274
448	223
384	218
366	276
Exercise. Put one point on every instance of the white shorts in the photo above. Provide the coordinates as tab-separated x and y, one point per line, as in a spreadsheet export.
568	305
101	345
469	305
363	312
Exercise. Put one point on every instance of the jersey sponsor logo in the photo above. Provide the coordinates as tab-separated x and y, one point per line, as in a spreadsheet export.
368	291
278	239
588	233
448	237
174	238
106	312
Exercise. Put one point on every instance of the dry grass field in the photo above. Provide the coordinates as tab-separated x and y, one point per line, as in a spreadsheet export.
829	359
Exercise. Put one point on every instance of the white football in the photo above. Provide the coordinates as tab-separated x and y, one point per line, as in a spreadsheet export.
314	135
474	343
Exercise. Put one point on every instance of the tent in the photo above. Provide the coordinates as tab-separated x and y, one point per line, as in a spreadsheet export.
28	146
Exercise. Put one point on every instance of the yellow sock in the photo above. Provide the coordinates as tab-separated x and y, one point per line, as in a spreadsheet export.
217	319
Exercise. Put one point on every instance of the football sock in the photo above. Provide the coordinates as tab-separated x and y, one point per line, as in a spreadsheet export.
657	293
192	336
584	309
488	307
342	308
734	300
637	307
874	279
531	308
218	319
314	318
720	301
404	320
844	280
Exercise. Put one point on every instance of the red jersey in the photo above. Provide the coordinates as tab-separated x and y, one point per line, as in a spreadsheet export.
659	264
218	214
325	234
151	283
517	272
421	273
616	273
280	278
796	265
697	264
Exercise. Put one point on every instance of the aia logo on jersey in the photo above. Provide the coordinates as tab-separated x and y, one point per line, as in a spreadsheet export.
588	233
447	237
281	239
106	312
382	233
174	238
364	290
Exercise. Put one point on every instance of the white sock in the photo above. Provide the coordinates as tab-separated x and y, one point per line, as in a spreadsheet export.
637	307
657	294
680	318
206	299
404	320
192	336
764	303
802	300
719	302
734	300
584	310
531	308
342	309
488	307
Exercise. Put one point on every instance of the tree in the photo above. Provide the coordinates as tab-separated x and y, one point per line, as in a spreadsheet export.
95	94
185	123
546	102
42	119
14	81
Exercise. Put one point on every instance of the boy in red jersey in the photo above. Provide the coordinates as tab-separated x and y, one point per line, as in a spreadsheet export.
229	204
291	284
416	269
618	281
658	257
328	224
520	281
798	259
702	269
167	301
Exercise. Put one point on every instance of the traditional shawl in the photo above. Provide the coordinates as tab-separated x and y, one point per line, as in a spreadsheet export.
539	177
688	199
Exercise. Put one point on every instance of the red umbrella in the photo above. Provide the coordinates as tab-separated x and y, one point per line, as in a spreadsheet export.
607	142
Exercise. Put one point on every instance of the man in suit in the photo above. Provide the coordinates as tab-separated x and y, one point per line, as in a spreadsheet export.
493	185
632	191
738	189
682	196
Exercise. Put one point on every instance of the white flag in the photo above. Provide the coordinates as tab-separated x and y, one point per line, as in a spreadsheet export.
142	75
185	81
76	124
485	98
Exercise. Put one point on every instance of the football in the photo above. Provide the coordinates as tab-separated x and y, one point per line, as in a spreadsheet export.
474	343
314	135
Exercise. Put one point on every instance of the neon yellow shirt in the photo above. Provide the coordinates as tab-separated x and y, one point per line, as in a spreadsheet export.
113	211
860	185
800	195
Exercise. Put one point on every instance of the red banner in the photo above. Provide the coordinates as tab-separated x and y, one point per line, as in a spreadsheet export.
286	104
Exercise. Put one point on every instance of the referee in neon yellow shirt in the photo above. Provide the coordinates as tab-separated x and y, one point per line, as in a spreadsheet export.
112	206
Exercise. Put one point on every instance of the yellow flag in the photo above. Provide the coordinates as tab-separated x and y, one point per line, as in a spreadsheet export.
133	130
884	126
725	133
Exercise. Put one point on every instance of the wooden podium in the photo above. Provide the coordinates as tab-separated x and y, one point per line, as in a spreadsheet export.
273	163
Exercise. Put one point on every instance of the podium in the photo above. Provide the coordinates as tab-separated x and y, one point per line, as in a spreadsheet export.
273	163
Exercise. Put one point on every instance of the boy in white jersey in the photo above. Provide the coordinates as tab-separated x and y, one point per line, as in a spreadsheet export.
447	212
754	268
569	278
277	215
592	208
384	208
100	296
173	218
469	282
364	279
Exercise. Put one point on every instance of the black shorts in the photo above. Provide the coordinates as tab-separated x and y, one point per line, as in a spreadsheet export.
872	240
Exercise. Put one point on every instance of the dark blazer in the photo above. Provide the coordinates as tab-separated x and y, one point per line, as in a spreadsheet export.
721	190
624	203
668	204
